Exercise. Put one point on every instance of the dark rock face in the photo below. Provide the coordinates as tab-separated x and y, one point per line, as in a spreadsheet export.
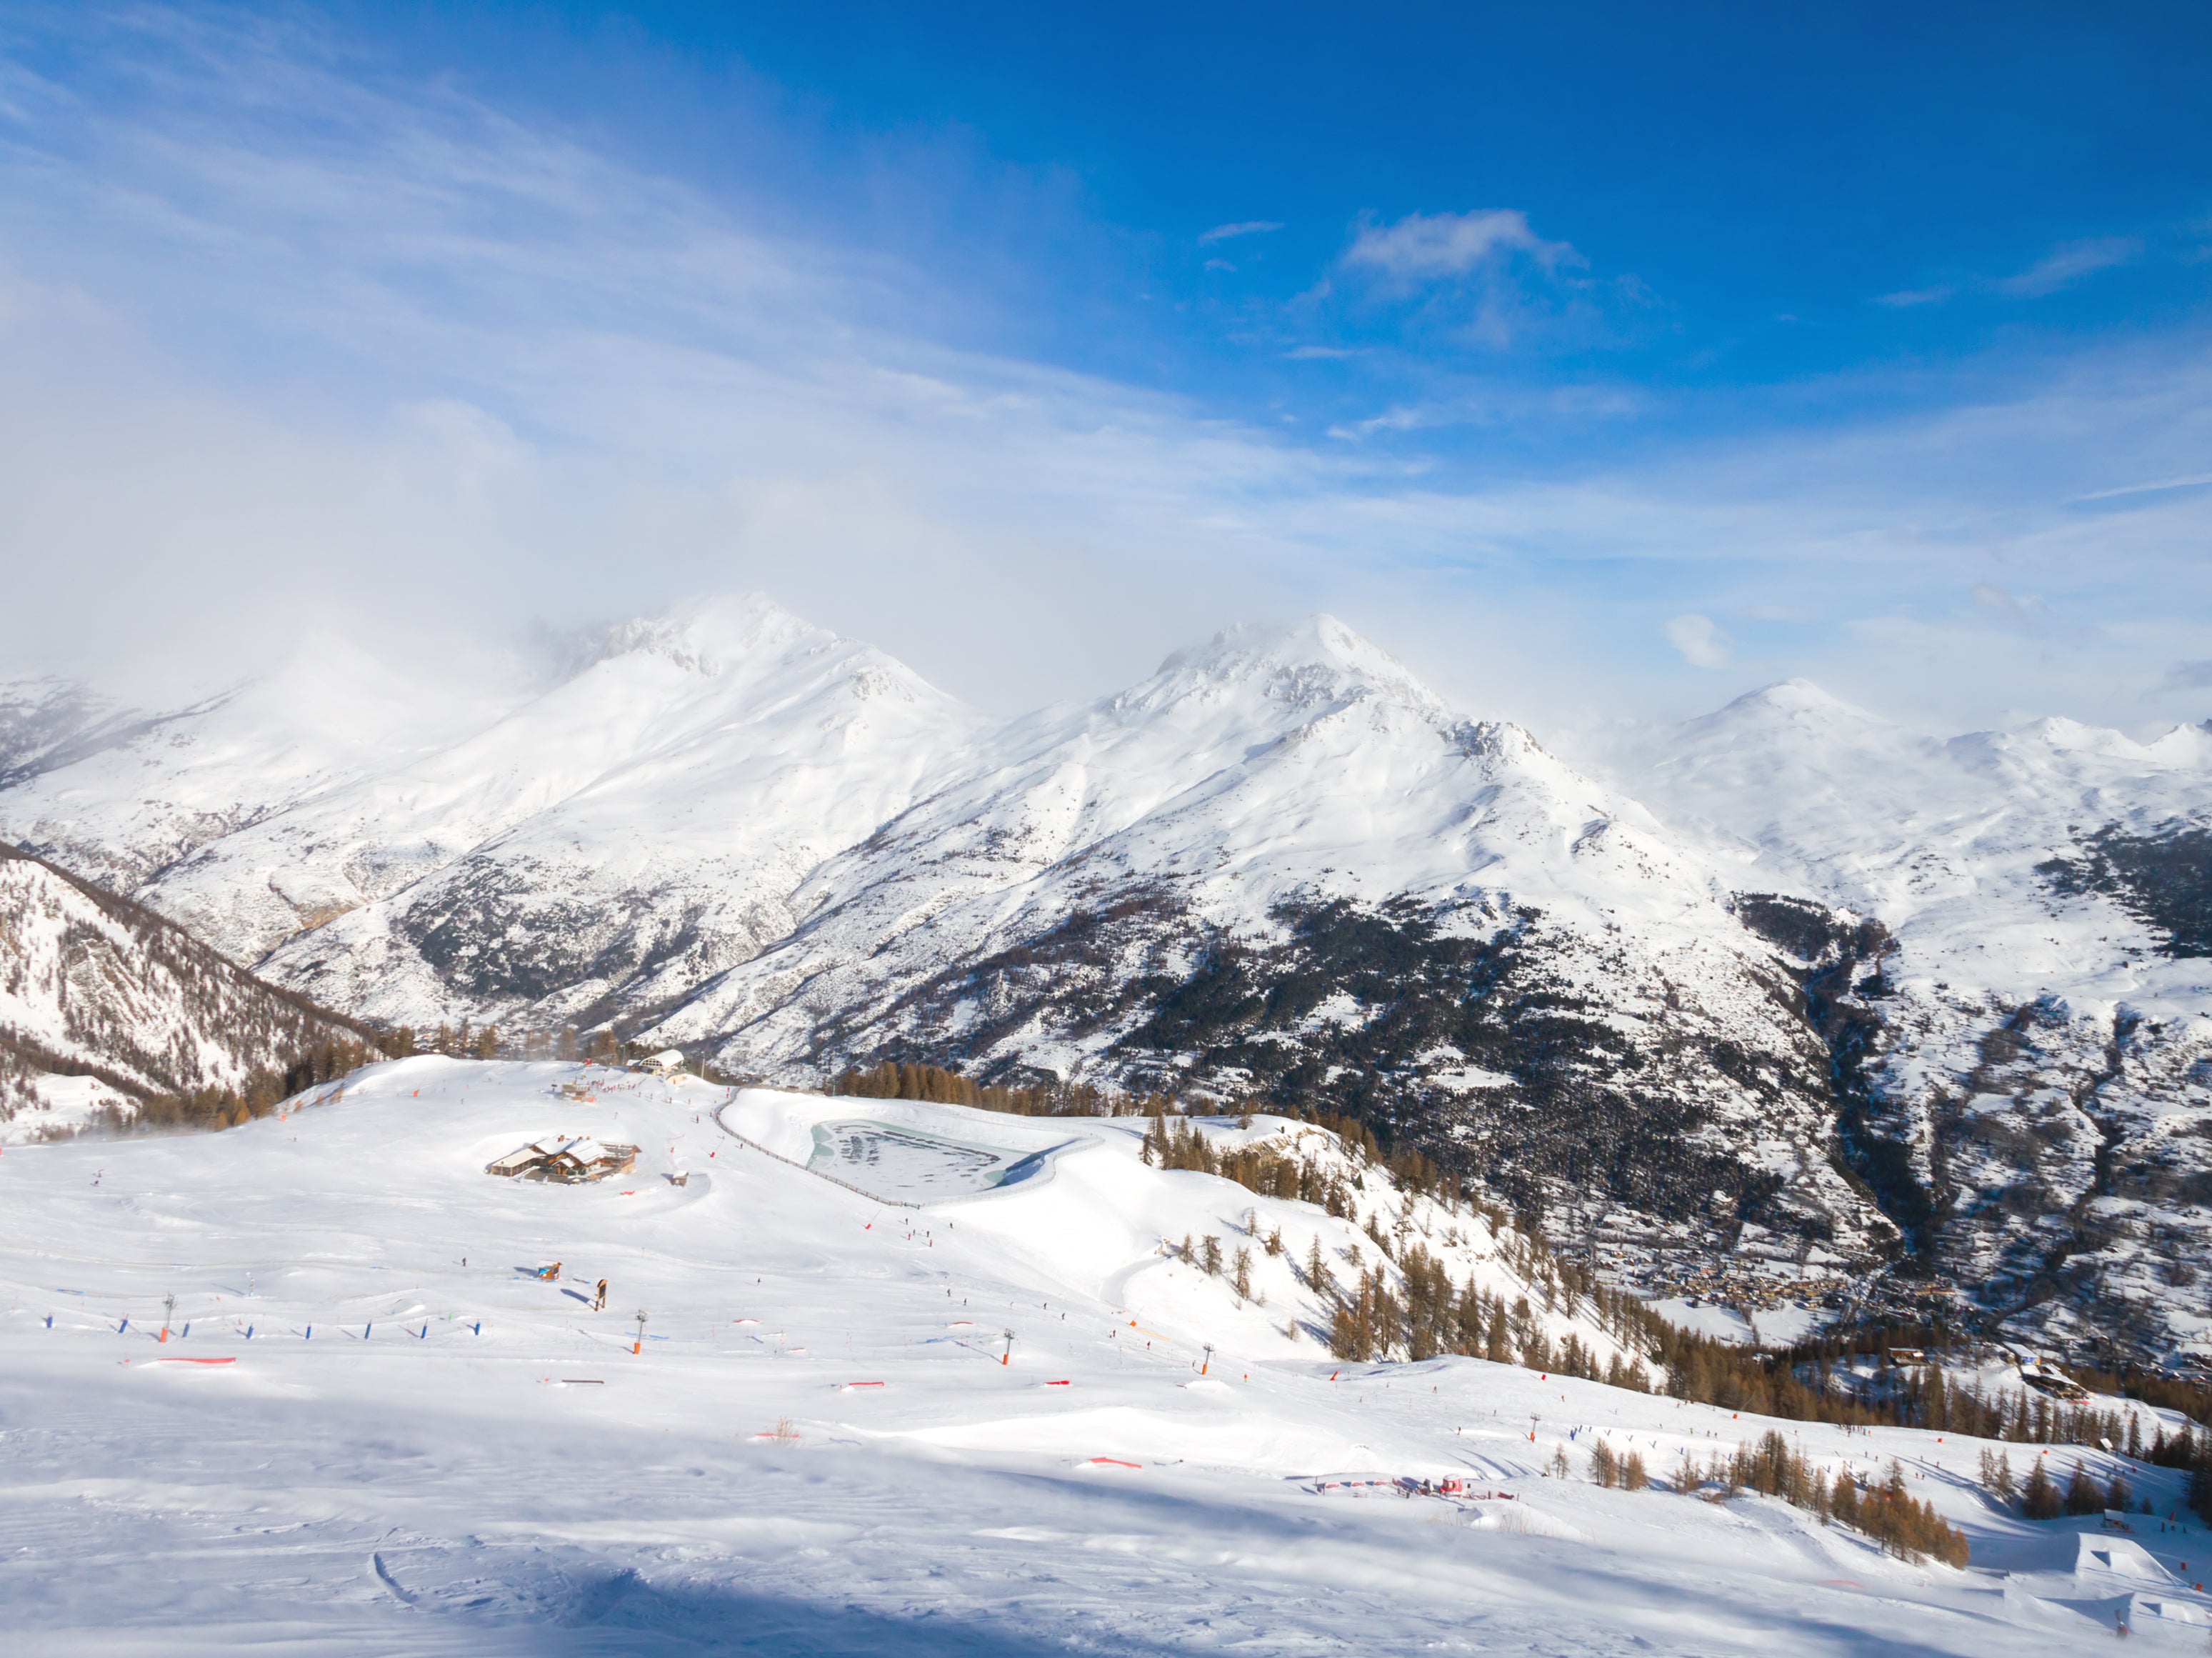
502	931
1474	1038
2071	1168
2048	1180
2163	878
1836	958
492	931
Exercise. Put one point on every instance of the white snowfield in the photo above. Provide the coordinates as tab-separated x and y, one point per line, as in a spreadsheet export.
979	1418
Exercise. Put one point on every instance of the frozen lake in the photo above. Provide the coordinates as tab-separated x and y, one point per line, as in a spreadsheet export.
906	1165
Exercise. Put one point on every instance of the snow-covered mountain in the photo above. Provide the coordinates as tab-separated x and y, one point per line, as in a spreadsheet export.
1282	866
104	1004
545	856
2033	1034
1844	992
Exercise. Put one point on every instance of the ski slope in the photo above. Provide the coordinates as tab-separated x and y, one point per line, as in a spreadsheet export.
975	1414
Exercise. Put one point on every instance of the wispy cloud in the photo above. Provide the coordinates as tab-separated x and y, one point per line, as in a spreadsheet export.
2063	265
1424	247
1905	298
1700	641
1390	420
2190	481
2069	262
2027	613
1484	279
2188	677
271	329
1222	233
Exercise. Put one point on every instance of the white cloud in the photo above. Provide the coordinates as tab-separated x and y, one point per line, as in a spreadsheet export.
1486	279
2071	261
1391	420
1700	641
1424	247
1222	233
278	346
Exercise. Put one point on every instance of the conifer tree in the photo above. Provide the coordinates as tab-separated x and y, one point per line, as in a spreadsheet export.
2039	1497
1605	1466
2082	1493
1317	1269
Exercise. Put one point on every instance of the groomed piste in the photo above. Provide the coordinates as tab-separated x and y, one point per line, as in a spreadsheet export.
875	1377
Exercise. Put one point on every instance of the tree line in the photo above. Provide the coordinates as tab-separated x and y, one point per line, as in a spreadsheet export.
895	1080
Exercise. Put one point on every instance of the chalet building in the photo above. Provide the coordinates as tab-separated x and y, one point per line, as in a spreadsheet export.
567	1160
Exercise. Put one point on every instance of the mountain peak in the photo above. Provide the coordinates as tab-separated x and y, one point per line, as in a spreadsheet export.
1317	657
709	632
1794	697
1792	712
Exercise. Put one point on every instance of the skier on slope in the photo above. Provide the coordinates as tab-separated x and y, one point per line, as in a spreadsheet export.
600	1305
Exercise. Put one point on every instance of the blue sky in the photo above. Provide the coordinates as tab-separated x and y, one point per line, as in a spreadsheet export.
1598	359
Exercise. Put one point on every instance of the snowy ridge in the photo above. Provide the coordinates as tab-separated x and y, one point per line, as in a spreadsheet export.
598	844
103	1003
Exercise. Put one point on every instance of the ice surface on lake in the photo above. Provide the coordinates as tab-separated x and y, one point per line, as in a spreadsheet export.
902	1165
